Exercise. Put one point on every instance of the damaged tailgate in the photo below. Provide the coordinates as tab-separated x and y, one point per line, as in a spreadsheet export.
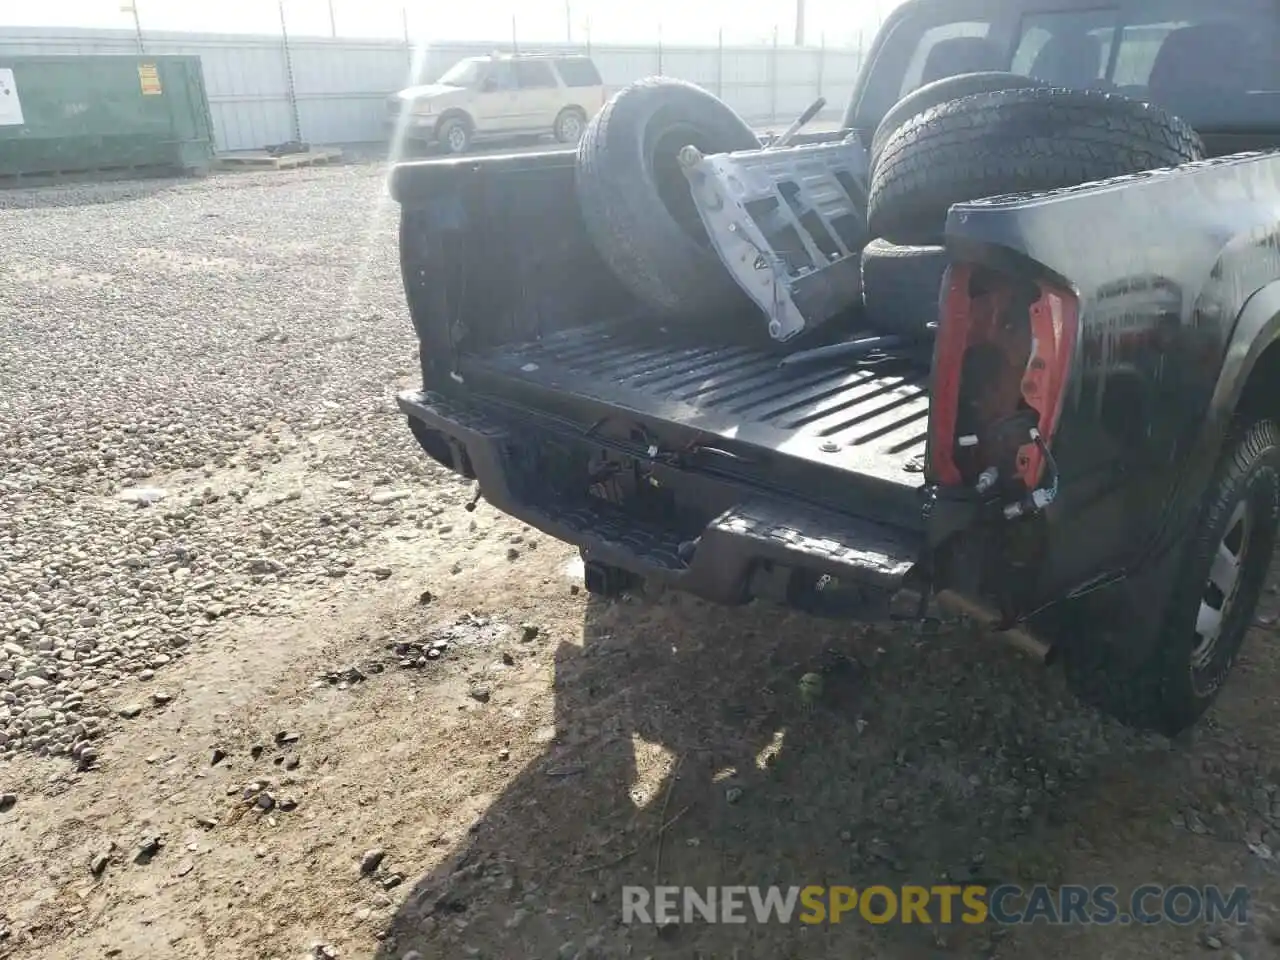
757	545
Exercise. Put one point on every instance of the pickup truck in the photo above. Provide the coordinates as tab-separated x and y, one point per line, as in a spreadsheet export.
1138	318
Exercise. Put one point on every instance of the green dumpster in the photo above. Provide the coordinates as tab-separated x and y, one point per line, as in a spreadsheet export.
84	114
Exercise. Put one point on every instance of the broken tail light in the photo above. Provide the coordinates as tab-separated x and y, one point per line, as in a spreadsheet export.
1002	359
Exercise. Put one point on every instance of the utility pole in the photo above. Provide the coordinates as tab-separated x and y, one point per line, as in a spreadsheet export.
568	21
515	43
333	23
799	23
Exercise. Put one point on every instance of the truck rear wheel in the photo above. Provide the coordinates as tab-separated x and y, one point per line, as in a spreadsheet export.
636	203
943	91
1015	141
1212	603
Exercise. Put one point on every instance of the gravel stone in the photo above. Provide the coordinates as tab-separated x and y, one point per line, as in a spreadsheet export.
148	847
371	860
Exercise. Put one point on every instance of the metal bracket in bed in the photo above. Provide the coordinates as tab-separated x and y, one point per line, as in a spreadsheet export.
789	223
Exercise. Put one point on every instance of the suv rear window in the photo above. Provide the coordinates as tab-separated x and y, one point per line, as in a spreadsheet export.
532	74
1213	63
578	72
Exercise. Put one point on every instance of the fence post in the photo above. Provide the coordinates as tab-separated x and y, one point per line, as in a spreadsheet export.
515	42
773	79
720	64
659	49
290	87
408	44
822	60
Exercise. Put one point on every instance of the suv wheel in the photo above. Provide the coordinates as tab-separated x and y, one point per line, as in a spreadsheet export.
570	124
1212	603
455	135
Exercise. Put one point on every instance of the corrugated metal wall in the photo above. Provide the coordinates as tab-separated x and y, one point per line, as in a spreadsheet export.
340	85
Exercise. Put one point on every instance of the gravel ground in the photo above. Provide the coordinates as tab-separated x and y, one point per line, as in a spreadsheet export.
176	342
268	690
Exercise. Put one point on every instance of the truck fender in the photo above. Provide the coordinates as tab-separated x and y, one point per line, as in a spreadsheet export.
1144	590
1256	329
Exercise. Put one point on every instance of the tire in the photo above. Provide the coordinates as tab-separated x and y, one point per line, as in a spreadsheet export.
1168	692
454	135
570	124
1015	141
943	91
636	203
901	287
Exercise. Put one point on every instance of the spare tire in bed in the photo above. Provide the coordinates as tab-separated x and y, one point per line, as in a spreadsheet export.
636	202
1015	141
901	287
943	91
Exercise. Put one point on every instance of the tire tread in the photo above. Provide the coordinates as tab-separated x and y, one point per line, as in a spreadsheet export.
634	233
1015	141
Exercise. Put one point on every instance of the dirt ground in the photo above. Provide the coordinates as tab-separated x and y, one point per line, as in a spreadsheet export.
453	751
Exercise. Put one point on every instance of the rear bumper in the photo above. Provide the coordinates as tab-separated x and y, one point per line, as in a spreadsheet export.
745	551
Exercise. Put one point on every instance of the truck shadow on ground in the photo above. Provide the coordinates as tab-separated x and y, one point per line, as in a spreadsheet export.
685	753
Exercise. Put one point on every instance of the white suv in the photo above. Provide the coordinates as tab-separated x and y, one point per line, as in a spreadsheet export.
500	96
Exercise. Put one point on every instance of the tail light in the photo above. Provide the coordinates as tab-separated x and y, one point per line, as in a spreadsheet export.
1001	362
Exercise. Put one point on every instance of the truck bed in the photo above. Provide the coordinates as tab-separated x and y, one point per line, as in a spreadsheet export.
870	420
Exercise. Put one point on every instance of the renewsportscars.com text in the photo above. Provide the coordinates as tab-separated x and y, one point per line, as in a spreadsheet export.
971	904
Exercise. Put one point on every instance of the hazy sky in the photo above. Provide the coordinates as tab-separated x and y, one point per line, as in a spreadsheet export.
687	21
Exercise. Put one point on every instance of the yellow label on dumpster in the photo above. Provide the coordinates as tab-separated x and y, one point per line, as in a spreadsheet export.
149	77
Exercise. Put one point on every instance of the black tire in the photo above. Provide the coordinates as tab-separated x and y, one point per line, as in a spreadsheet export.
570	124
1015	141
901	287
943	91
454	135
636	203
1166	692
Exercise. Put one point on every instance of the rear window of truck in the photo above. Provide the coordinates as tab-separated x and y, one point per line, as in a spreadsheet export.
1212	63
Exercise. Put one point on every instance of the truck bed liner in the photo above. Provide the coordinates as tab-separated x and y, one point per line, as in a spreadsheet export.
870	420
